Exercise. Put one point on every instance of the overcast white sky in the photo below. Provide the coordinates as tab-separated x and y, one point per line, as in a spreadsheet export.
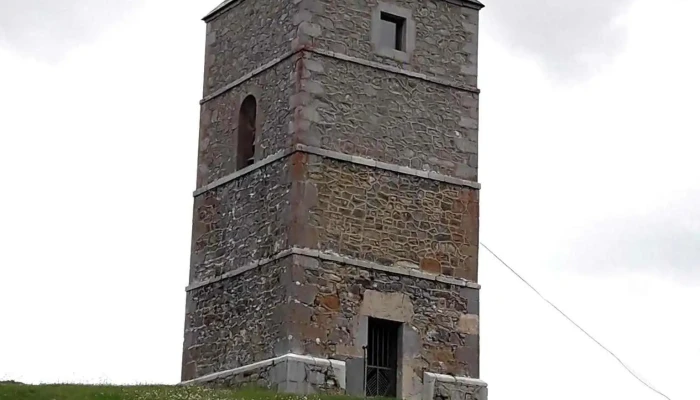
591	189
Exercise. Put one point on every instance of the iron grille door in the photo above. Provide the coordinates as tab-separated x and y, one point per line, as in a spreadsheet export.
382	357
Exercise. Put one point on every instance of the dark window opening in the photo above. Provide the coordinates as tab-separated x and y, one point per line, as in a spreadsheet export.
393	32
246	133
382	358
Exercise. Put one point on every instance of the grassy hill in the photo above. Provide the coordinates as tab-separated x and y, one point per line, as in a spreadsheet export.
12	391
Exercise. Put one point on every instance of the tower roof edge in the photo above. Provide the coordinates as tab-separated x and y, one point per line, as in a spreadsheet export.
224	4
476	4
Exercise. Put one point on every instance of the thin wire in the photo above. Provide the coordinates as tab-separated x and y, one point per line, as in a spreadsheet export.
575	324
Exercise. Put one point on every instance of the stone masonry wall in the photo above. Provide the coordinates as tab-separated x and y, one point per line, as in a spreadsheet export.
446	36
442	317
393	219
246	36
219	121
236	321
242	221
394	118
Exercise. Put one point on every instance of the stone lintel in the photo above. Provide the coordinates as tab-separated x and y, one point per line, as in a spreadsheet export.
398	270
335	155
342	57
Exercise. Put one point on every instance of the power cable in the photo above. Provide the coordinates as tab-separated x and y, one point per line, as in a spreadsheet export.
575	324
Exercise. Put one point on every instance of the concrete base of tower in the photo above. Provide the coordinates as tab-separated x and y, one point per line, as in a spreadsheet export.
439	386
290	373
303	375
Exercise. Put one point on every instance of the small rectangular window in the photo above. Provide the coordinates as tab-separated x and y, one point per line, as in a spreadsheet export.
393	32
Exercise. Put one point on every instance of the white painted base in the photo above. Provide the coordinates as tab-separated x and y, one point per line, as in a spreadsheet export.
300	374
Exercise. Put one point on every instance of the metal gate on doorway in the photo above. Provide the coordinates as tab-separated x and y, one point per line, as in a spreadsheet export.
381	358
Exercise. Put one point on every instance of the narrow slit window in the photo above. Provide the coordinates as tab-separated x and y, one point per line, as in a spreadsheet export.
393	32
246	133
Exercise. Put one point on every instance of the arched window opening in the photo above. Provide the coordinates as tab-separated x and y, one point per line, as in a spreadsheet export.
246	132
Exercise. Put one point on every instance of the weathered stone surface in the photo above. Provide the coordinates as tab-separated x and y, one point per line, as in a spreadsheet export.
468	324
430	309
446	36
330	302
472	298
385	217
241	222
246	36
390	306
219	122
299	304
232	323
456	389
263	377
285	374
395	119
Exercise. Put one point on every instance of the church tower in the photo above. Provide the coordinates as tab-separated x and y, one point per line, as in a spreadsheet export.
336	214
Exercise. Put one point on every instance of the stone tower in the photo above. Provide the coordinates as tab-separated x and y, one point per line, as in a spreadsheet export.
336	215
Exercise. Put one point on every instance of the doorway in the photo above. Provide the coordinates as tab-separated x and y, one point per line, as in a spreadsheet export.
382	358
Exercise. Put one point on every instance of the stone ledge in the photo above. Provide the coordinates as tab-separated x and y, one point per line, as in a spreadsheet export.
416	273
337	56
243	269
249	75
395	70
473	4
244	171
335	155
289	373
368	162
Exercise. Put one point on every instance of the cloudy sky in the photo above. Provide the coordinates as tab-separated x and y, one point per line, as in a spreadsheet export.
591	187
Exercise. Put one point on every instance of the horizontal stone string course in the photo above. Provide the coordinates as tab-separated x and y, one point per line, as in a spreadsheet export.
247	77
337	56
406	271
389	68
340	157
230	177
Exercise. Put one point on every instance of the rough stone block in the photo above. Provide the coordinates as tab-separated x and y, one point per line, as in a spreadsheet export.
468	324
316	378
439	386
279	372
296	371
355	372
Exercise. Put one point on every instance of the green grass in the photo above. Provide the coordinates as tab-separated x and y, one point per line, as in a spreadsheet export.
89	392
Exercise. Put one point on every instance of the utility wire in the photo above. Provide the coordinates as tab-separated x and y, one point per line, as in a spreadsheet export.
575	324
